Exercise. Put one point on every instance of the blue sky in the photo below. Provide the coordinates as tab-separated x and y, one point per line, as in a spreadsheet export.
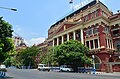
34	17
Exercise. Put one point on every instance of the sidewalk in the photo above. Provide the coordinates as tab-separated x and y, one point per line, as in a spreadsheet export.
111	74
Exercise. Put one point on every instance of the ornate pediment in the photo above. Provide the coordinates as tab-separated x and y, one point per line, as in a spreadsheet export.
65	26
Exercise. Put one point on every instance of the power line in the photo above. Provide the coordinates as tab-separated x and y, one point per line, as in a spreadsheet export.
22	37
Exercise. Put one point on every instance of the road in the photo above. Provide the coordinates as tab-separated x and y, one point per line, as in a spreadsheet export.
35	74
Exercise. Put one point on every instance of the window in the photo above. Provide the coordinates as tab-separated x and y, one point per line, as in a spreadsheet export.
115	32
93	14
87	32
111	43
91	44
118	47
87	44
104	14
106	29
90	31
96	13
95	30
86	18
96	43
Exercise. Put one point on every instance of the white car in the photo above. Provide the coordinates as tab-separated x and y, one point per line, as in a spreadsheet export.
43	67
2	66
66	68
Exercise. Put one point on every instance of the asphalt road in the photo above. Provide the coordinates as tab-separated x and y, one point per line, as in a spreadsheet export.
35	74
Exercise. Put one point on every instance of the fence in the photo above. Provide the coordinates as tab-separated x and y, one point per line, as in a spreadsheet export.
2	74
85	69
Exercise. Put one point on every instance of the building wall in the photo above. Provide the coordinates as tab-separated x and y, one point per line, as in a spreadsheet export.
19	43
93	25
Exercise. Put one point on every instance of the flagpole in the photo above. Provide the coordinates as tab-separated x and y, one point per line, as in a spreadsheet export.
71	3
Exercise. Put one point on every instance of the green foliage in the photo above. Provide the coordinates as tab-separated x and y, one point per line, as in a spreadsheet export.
71	52
26	56
6	42
10	61
49	57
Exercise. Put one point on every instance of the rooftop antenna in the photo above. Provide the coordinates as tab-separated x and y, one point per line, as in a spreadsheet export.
71	3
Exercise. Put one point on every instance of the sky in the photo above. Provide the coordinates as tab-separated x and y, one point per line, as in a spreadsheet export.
33	18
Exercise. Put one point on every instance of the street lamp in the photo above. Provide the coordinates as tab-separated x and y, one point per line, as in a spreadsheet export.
93	57
13	9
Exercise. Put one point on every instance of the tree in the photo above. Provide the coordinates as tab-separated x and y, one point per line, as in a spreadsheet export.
26	56
72	52
6	42
48	58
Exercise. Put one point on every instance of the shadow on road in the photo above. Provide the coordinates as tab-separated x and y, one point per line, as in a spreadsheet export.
7	78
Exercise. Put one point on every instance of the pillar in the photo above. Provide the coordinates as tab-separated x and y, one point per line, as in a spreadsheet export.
107	43
53	42
94	44
68	37
74	36
57	41
98	43
82	41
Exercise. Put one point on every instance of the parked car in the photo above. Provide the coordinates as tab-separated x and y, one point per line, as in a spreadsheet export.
66	68
2	66
43	67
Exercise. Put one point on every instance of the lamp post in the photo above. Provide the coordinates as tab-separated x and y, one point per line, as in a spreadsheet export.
13	9
93	57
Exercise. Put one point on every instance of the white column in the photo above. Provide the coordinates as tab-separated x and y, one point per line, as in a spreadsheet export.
62	39
107	43
82	41
94	44
110	44
57	41
53	42
74	36
68	37
89	45
98	43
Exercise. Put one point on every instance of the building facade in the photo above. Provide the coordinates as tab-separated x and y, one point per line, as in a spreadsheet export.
44	49
95	26
19	43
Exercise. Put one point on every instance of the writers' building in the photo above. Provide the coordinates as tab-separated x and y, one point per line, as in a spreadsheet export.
95	26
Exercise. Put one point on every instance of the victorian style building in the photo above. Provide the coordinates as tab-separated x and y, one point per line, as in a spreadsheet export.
95	26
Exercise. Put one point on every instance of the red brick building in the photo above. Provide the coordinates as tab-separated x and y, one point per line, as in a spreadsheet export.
95	26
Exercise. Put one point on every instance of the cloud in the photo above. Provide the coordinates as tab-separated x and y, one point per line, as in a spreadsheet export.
34	41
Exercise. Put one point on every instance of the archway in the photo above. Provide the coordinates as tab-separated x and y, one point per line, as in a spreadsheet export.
98	62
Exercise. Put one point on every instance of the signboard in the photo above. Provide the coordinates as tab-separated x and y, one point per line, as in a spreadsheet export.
82	4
